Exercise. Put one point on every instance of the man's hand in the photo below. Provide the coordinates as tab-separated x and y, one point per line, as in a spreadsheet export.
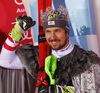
23	23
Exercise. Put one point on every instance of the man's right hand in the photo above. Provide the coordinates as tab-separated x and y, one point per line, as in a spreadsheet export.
23	23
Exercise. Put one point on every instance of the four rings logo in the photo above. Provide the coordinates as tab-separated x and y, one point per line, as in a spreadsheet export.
18	3
19	10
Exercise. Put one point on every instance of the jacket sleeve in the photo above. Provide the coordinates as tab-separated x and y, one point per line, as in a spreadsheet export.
28	55
8	58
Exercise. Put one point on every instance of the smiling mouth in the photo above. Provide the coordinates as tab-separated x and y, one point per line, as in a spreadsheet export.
54	42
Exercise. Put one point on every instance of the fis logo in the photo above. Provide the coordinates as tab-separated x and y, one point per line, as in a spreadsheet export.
51	23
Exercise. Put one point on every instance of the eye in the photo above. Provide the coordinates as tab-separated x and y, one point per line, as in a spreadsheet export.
57	30
47	31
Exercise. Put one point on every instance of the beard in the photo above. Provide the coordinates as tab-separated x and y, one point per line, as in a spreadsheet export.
60	46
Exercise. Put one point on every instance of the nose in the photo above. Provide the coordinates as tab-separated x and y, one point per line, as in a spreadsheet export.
53	36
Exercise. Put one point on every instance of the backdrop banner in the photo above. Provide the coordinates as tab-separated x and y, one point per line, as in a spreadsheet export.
8	12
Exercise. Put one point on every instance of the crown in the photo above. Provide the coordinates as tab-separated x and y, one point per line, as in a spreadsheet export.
61	13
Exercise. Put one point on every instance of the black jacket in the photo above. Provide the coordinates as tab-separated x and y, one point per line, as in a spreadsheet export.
76	62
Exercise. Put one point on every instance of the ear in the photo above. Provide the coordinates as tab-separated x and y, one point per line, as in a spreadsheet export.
66	34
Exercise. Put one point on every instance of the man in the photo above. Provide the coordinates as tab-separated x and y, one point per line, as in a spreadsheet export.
73	63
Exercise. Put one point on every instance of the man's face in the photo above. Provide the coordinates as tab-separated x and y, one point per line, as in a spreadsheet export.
56	37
